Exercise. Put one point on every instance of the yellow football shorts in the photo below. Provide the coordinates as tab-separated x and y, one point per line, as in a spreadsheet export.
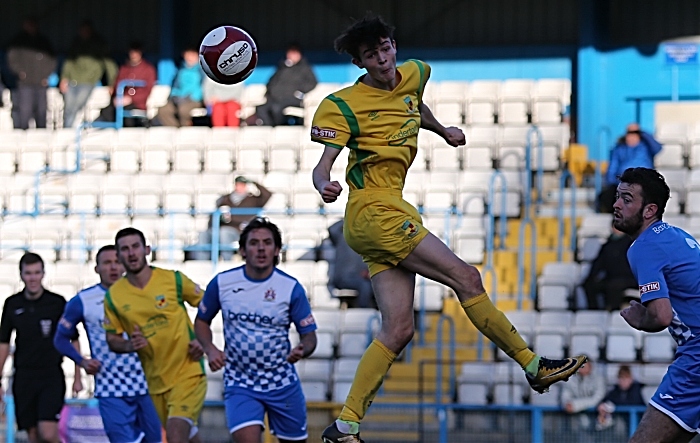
382	227
184	400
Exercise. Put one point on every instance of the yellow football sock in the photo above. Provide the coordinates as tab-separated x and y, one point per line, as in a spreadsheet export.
496	326
374	365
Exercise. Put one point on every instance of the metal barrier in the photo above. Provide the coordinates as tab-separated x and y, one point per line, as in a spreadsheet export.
560	214
436	422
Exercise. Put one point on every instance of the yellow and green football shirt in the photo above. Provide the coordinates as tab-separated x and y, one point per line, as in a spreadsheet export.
380	127
159	311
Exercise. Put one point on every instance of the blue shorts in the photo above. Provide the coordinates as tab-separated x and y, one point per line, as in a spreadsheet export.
127	419
678	393
286	410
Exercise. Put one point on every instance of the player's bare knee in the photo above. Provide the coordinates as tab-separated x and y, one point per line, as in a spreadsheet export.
470	283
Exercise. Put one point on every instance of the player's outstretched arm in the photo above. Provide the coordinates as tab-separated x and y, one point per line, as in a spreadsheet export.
452	135
216	358
329	190
655	316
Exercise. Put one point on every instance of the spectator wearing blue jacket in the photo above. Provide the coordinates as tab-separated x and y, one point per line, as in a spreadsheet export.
186	93
635	149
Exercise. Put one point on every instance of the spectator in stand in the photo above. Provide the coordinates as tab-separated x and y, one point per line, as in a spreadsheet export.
627	392
349	271
287	86
584	391
87	63
31	60
135	68
186	93
223	102
610	273
635	148
232	221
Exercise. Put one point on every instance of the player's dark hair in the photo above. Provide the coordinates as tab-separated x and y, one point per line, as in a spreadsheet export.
29	258
654	187
129	231
369	30
104	248
262	223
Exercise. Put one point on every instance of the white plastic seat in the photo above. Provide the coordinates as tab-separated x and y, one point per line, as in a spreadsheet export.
585	343
156	99
482	101
359	319
621	347
428	295
658	348
553	296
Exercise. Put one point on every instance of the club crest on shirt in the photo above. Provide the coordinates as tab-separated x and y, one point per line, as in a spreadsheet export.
161	302
409	104
649	287
410	228
45	327
270	295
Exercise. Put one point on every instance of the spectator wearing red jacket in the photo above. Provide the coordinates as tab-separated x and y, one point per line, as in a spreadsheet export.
134	99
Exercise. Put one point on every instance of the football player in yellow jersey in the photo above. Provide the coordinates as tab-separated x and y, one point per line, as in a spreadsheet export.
148	304
378	119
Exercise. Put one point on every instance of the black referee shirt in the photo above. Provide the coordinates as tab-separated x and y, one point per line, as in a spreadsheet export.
34	323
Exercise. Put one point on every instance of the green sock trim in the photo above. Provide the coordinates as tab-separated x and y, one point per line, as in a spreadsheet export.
348	427
533	366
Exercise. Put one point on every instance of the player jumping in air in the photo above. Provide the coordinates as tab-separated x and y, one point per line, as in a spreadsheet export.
378	118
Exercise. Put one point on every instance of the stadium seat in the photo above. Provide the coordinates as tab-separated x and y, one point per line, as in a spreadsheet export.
550	97
553	296
360	320
658	348
621	347
352	344
553	345
190	143
514	101
482	102
428	296
156	99
587	343
652	373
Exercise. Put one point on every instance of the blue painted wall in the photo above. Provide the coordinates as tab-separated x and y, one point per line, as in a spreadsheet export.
607	82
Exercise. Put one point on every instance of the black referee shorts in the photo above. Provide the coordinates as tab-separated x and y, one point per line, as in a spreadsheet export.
38	398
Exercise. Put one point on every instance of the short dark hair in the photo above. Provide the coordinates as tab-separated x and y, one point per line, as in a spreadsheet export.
368	30
29	258
136	46
624	370
262	223
104	248
129	231
654	187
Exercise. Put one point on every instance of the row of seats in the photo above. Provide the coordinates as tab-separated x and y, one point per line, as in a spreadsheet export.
483	101
503	383
602	335
480	101
258	148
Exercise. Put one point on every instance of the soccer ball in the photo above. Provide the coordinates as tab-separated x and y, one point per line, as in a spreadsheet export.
228	55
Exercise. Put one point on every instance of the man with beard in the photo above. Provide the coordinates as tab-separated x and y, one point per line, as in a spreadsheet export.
148	304
259	303
666	262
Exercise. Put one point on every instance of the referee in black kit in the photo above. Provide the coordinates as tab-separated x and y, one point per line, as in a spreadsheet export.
38	384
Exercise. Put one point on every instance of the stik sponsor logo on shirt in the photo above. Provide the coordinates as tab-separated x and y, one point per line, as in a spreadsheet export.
649	287
323	132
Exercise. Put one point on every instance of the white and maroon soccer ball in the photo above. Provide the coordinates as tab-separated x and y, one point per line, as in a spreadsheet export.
228	55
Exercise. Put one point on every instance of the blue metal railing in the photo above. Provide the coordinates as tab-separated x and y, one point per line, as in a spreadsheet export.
560	215
534	130
451	356
535	433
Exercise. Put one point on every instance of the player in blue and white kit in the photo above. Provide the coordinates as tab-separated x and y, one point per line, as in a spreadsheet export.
666	262
126	408
258	304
